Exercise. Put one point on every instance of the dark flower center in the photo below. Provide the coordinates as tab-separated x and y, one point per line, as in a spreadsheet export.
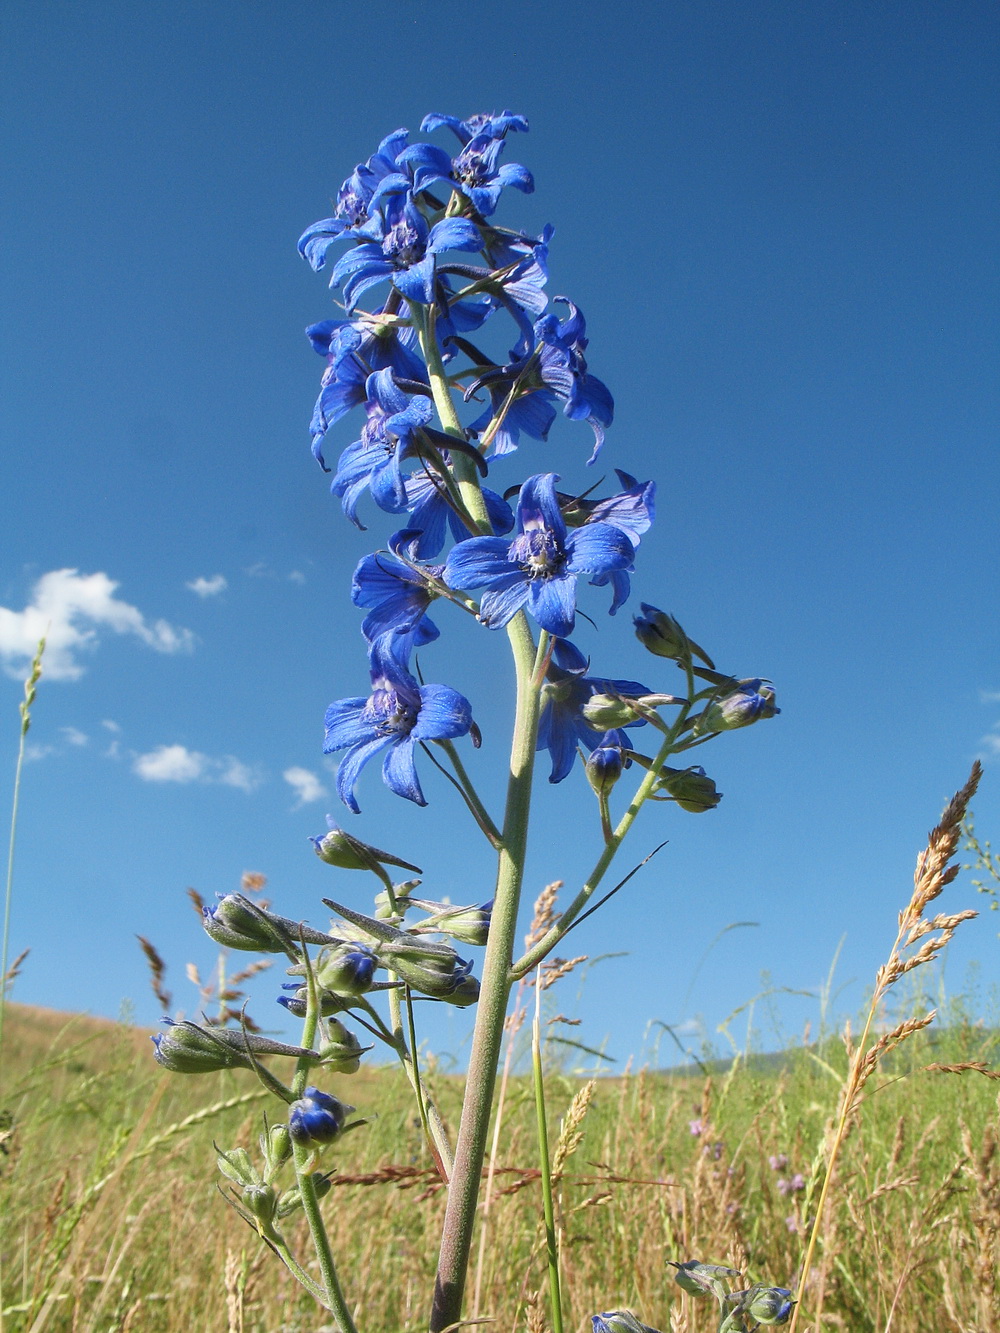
374	433
403	245
391	715
470	169
351	205
538	554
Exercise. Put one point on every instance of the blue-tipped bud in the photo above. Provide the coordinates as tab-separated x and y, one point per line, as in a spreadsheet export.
604	767
703	1279
769	1305
347	969
661	634
291	1200
468	925
237	923
338	848
297	1002
441	974
753	700
618	1321
691	788
189	1049
316	1117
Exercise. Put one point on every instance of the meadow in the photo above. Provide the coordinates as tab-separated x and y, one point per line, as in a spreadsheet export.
112	1221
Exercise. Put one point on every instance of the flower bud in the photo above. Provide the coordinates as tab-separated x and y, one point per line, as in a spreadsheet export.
237	923
262	1202
663	636
190	1049
292	1199
342	1053
316	1117
442	975
769	1305
690	788
753	700
469	925
607	712
275	1146
236	1166
338	848
297	1002
703	1279
618	1321
346	969
604	767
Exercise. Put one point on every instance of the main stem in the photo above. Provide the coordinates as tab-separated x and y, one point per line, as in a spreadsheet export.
463	1192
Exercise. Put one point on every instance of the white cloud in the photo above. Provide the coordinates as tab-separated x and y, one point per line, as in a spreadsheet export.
74	736
113	727
176	763
68	607
33	751
170	763
233	773
991	744
989	696
306	785
296	576
208	587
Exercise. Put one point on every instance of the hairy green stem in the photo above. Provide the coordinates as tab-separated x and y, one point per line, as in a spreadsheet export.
463	1193
551	1243
328	1271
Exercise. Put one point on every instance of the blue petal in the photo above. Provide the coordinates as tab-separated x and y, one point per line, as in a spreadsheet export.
417	283
444	713
455	234
478	561
597	548
553	604
538	506
399	772
504	599
352	764
343	724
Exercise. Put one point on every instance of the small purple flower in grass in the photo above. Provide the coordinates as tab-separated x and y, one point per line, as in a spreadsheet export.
397	715
778	1161
793	1186
316	1117
539	568
696	1127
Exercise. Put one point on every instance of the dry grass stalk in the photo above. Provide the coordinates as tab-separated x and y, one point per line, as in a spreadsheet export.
934	870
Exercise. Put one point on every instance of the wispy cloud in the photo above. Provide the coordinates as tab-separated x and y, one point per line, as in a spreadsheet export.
296	576
208	587
305	784
991	745
74	736
989	696
176	763
69	608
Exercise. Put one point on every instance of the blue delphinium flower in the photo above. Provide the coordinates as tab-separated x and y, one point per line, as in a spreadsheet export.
562	726
354	350
632	511
351	215
316	1117
495	124
427	501
403	248
387	438
477	171
396	593
397	715
539	568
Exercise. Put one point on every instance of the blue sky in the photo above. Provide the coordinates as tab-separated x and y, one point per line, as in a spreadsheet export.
780	221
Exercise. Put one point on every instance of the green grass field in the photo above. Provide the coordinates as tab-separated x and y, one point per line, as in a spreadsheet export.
112	1220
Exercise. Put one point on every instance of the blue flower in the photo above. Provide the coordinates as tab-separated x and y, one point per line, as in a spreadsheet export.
397	715
540	566
396	593
354	350
386	439
316	1117
632	511
427	500
403	248
477	171
562	726
496	125
351	215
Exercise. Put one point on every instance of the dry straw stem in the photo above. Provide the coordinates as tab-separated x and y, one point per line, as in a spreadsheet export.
933	872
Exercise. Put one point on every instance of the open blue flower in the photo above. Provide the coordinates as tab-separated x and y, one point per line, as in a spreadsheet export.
539	568
395	593
398	714
563	370
387	437
562	726
351	215
403	247
476	172
356	349
495	124
427	500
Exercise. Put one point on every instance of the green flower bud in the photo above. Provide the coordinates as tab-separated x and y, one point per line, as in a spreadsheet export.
663	636
440	974
703	1279
469	925
262	1202
236	1166
691	788
276	1147
607	712
338	848
190	1049
754	699
618	1321
604	767
346	969
769	1305
292	1199
237	923
342	1053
